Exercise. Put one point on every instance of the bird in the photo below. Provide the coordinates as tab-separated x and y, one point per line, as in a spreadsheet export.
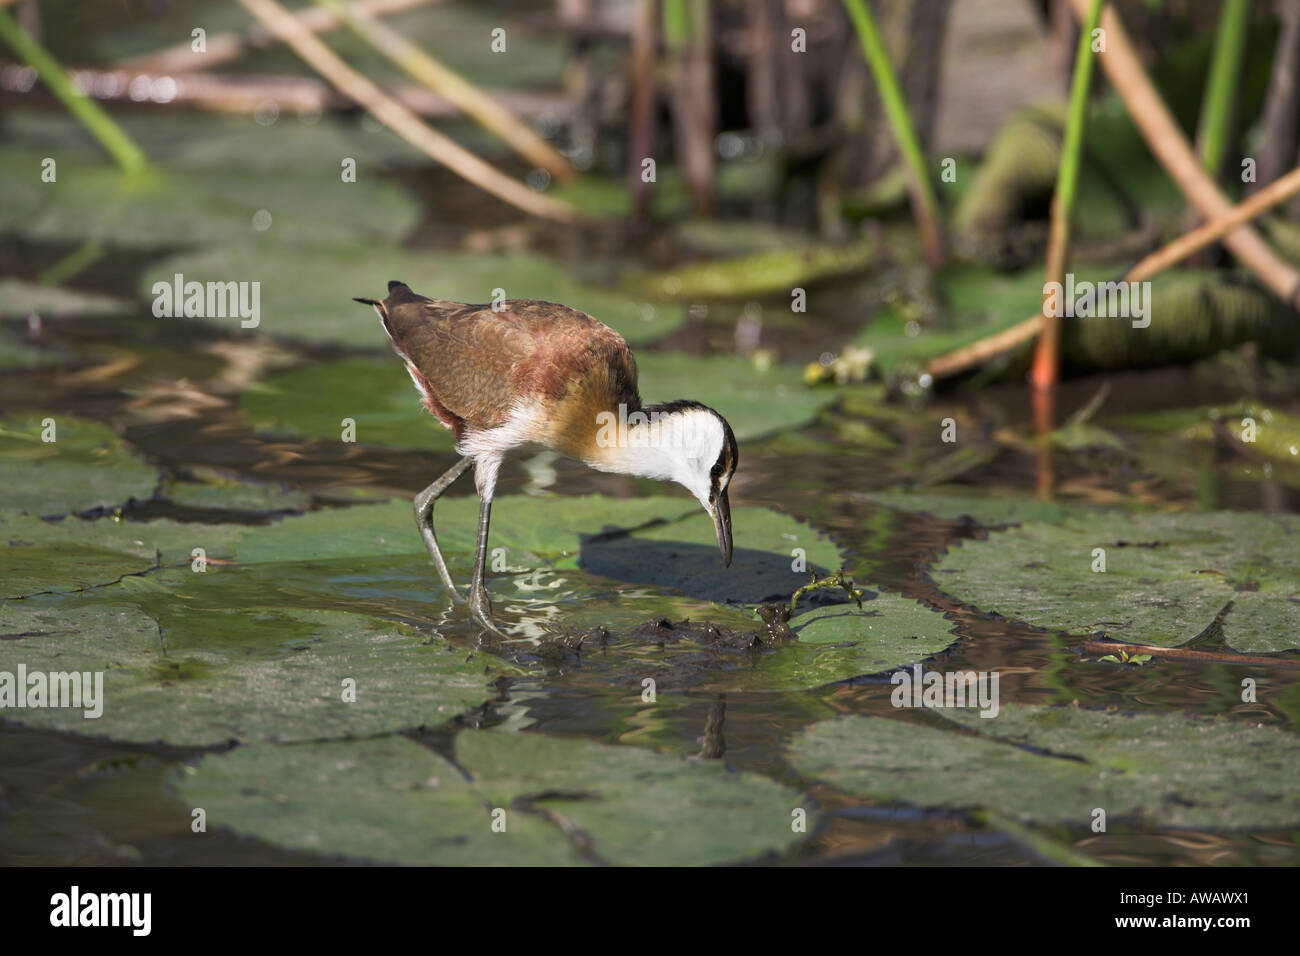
524	372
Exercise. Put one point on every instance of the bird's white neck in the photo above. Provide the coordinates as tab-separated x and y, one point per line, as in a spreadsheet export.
668	446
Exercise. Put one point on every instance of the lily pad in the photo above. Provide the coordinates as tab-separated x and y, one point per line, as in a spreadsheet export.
376	395
1167	577
45	557
768	272
87	466
564	801
211	488
201	140
1056	765
93	200
282	678
307	292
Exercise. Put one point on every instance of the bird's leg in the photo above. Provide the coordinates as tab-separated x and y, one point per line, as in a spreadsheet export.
480	607
424	521
485	478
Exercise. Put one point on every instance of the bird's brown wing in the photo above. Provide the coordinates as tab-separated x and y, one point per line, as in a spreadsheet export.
477	362
466	354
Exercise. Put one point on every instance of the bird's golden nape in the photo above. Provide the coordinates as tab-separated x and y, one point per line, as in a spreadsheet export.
532	373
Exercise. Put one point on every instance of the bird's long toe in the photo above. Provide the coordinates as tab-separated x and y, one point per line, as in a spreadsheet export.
480	609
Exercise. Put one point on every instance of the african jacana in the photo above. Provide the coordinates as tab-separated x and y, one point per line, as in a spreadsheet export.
538	373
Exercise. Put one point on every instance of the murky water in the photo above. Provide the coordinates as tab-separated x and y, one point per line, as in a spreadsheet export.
65	799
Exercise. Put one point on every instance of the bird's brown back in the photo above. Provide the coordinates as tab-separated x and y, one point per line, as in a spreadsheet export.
477	363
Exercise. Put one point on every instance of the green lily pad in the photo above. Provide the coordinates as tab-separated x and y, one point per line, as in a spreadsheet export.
87	466
387	799
392	800
770	272
888	632
281	678
1056	765
307	292
198	141
212	488
1167	577
174	205
19	298
45	557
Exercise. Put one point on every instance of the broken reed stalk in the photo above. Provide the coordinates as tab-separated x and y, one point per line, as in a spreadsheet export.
1047	360
112	137
1221	87
401	120
1188	654
225	47
453	87
977	353
1167	143
925	207
247	93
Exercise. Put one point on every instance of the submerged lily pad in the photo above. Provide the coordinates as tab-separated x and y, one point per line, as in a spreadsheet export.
564	801
1056	765
87	466
282	678
1167	577
307	292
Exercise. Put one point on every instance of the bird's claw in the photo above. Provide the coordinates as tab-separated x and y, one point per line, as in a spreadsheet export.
480	609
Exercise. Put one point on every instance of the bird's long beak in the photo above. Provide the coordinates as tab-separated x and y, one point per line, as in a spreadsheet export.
721	512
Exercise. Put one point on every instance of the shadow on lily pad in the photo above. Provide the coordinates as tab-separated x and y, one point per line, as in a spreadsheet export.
696	570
